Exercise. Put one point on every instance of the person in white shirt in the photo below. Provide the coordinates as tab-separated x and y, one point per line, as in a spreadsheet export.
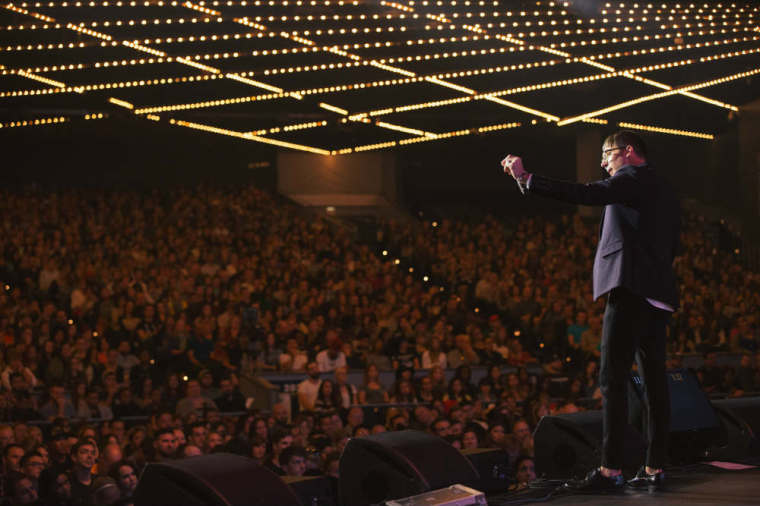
434	355
293	359
308	389
330	359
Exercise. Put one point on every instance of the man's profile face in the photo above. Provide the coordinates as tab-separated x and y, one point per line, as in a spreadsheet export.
613	157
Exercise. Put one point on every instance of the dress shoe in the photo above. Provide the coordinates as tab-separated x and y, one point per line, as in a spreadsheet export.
645	480
596	483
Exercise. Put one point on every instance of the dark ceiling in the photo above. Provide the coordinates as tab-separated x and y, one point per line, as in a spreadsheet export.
339	77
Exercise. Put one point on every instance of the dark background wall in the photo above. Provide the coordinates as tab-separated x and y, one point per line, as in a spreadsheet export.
130	153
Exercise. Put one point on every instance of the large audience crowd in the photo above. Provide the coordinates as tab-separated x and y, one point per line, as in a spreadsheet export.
128	319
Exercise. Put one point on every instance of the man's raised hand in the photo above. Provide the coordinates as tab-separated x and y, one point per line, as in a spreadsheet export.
513	166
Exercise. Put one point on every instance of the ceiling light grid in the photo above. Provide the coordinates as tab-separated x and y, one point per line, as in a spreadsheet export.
647	31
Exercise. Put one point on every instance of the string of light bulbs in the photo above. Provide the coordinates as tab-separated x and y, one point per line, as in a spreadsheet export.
418	79
174	3
650	82
545	85
398	70
657	96
193	39
51	120
154	52
232	76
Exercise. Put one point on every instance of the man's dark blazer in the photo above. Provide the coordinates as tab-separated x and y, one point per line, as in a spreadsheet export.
639	233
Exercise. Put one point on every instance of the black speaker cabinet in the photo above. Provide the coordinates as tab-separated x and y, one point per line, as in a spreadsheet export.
570	445
493	466
218	479
694	424
746	408
737	440
314	490
394	465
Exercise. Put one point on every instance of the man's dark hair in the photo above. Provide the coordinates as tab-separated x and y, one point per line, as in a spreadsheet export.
27	456
8	447
290	452
194	425
114	471
161	432
623	138
82	442
360	427
522	458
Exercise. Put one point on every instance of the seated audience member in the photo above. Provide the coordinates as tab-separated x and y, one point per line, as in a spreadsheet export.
525	472
293	461
327	398
16	368
194	401
12	455
206	380
57	404
22	490
125	475
281	439
373	391
32	465
91	406
377	356
404	393
470	438
434	355
462	353
214	441
84	454
280	414
229	399
258	449
331	358
293	359
105	491
308	389
196	434
441	427
125	405
164	445
346	392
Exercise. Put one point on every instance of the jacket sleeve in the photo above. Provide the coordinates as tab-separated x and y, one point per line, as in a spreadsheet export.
622	188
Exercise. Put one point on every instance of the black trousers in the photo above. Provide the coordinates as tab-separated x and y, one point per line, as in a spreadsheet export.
633	328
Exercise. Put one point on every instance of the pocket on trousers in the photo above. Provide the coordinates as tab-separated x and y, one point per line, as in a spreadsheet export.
610	248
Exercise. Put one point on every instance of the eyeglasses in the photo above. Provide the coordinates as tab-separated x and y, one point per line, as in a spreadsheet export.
606	152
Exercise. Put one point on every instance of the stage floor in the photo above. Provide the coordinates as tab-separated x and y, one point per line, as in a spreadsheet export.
701	484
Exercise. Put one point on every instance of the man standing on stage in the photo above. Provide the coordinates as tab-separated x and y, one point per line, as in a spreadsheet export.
633	266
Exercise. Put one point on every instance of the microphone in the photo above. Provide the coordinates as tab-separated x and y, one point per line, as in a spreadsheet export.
522	186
